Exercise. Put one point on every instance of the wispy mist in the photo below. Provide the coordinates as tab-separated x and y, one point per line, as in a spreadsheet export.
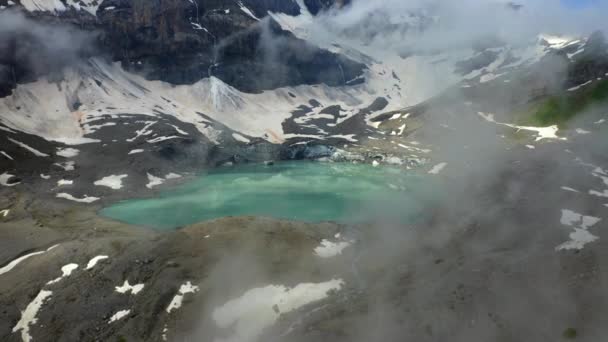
443	23
30	48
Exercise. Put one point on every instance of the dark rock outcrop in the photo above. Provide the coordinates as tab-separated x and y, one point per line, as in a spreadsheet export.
180	42
591	63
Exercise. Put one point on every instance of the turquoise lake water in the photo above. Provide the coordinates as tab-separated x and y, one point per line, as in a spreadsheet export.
303	191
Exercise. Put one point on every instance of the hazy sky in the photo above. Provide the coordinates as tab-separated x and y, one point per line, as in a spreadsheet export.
579	3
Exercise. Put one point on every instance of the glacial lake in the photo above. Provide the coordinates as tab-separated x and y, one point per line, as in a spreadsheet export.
301	191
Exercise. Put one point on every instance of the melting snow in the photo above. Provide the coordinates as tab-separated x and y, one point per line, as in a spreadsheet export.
581	223
62	182
119	315
543	132
178	130
67	166
580	86
95	260
558	42
437	168
4	213
126	287
29	148
136	151
66	270
260	308
578	239
20	259
172	176
247	10
154	181
85	199
177	301
329	249
28	316
6	155
161	139
144	131
112	182
67	152
5	177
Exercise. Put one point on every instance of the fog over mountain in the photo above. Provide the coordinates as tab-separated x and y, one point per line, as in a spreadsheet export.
303	170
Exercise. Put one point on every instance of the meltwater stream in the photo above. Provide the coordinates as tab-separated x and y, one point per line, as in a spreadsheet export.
302	191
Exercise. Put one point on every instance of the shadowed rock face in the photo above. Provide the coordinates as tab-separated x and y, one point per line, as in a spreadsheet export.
591	63
182	42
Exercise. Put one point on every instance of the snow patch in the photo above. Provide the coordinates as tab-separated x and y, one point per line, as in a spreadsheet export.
437	168
63	182
581	235
119	315
580	86
20	259
85	199
329	249
542	132
67	166
178	300
28	316
172	176
5	177
247	10
136	151
154	181
113	182
67	152
6	155
161	139
93	262
66	270
29	148
126	287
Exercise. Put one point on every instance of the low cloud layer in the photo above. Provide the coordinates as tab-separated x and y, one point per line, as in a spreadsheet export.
444	23
29	49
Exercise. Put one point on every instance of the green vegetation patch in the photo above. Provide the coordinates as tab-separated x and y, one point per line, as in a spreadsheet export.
570	333
559	109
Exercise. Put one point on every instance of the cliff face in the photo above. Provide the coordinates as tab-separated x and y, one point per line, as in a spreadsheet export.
181	42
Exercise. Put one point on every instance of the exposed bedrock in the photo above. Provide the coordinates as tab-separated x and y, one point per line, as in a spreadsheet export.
180	42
